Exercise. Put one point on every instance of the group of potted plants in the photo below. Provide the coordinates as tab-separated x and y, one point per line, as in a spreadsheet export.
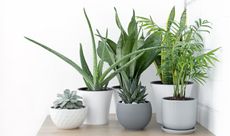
179	55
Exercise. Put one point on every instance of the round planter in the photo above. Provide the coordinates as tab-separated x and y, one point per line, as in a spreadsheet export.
68	118
163	90
179	114
134	116
98	103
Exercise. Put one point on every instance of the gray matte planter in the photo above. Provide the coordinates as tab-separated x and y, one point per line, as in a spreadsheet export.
179	114
134	116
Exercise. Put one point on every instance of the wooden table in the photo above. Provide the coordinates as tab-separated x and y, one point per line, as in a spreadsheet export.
112	129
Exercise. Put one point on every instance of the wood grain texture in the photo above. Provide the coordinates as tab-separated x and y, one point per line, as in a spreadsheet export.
111	129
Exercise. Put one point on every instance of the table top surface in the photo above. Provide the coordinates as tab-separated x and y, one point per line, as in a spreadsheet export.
113	128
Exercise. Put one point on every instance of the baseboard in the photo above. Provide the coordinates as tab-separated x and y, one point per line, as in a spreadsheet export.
212	120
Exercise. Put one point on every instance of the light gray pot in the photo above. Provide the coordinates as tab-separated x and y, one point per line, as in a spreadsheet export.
179	114
134	116
163	90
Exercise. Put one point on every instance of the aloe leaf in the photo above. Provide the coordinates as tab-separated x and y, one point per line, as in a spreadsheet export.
94	49
67	60
101	62
85	67
105	81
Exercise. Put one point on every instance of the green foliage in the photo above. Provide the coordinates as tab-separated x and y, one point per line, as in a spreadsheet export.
96	80
184	57
68	100
128	43
133	93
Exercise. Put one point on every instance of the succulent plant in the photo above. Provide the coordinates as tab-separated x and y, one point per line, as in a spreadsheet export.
133	93
68	100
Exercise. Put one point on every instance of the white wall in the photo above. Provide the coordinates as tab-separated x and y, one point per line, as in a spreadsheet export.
214	96
31	77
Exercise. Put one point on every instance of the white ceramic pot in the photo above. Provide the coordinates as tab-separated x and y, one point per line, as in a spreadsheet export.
179	114
164	90
68	118
98	103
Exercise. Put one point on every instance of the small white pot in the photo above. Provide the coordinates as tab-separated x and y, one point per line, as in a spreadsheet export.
179	114
98	103
163	90
68	118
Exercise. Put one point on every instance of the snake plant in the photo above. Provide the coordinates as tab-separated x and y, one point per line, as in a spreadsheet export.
98	79
184	57
68	100
129	42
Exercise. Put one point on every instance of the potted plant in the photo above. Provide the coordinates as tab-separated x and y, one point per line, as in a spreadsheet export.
184	59
170	37
133	111
96	93
68	111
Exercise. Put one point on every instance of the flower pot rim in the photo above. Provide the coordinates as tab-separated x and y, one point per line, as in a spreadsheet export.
190	99
119	87
69	109
146	102
85	89
158	82
116	87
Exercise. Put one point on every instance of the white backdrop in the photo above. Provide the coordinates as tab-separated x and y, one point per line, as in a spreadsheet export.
30	77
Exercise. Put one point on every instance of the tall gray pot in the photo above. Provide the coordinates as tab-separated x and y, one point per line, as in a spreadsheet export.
134	116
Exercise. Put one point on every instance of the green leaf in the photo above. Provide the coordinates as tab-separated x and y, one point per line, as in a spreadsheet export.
105	81
124	58
67	60
154	40
132	28
94	49
85	67
119	22
171	18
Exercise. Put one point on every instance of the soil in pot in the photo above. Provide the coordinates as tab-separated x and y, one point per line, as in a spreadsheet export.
134	116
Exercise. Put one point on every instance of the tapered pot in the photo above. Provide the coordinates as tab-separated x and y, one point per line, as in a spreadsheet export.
164	90
134	116
179	114
98	103
68	118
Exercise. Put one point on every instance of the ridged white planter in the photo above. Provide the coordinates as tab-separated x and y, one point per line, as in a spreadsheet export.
179	114
98	103
68	118
163	90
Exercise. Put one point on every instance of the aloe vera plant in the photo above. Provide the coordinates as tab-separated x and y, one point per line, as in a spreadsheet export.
184	57
129	42
68	100
98	79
